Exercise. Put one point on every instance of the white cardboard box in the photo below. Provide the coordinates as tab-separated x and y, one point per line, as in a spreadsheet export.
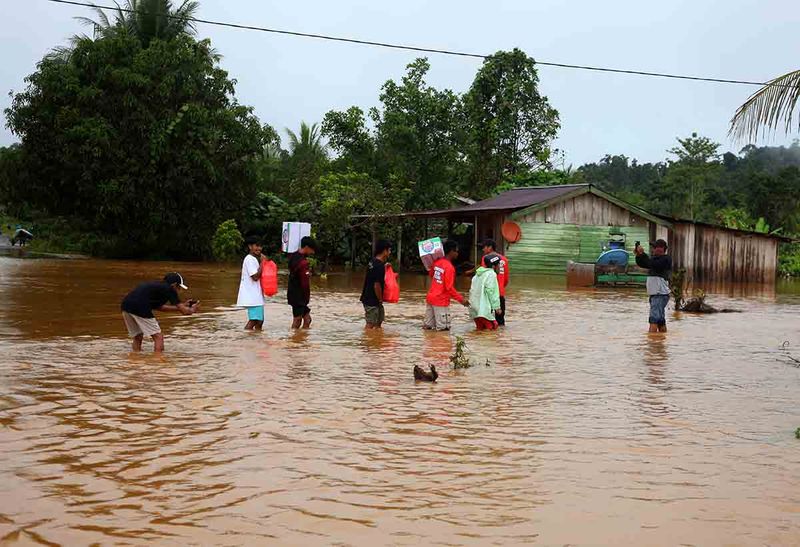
293	232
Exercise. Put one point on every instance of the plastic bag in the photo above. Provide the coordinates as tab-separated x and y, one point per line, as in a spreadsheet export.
391	289
269	278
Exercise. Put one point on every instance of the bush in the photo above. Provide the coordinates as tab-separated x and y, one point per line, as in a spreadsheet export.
789	260
227	242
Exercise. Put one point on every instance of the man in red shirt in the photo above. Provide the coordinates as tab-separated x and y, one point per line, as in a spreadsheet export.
443	278
490	247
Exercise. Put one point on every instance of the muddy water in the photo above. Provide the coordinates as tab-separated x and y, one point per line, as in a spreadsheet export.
584	430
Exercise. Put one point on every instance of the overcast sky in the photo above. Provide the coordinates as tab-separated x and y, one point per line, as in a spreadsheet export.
289	79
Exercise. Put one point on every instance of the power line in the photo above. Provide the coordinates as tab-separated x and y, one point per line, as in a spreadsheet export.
423	49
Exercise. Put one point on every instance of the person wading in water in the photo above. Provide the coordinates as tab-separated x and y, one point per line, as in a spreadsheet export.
138	306
659	271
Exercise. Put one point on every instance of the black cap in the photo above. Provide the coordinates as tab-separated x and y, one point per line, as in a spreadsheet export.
490	260
487	243
173	278
659	243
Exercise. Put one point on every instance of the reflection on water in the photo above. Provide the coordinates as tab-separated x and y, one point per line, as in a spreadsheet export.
585	429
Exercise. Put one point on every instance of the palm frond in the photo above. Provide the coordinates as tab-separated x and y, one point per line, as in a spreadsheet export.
185	13
294	141
768	108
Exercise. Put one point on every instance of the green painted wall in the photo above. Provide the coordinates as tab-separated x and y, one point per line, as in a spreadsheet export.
546	247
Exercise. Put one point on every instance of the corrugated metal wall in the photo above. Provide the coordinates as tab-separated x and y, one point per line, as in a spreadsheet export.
574	229
546	247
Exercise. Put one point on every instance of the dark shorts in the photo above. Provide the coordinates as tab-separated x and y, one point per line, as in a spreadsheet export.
658	309
374	315
300	311
501	317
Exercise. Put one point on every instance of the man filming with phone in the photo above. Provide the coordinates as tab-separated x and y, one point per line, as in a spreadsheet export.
659	271
138	306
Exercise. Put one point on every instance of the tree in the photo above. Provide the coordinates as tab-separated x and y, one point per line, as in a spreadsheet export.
768	108
687	179
147	145
415	142
349	137
510	124
227	242
148	20
417	134
306	161
343	195
309	143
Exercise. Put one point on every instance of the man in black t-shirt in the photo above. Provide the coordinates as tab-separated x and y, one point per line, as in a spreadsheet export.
138	306
374	284
298	292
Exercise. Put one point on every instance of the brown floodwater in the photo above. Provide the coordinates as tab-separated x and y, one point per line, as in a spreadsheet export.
584	429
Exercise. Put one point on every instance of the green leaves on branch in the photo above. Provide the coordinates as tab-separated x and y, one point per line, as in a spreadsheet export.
145	144
510	125
441	143
769	108
227	242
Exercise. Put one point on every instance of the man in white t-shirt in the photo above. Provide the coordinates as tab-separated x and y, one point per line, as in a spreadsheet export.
251	297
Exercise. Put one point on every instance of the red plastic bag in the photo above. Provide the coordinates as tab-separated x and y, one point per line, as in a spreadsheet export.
269	278
391	289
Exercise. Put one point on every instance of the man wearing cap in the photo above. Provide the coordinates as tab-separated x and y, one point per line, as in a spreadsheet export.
490	247
659	271
484	294
138	306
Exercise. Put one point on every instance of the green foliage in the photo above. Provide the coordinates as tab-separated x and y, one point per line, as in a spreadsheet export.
459	358
734	217
147	146
797	433
416	134
543	177
510	125
343	195
688	178
147	20
307	160
768	108
267	214
227	242
789	260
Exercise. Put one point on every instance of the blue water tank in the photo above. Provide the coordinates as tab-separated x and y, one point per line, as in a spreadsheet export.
614	257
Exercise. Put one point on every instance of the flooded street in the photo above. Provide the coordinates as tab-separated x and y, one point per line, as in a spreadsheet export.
584	429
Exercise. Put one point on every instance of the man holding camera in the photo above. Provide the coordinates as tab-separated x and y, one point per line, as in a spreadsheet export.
138	306
659	271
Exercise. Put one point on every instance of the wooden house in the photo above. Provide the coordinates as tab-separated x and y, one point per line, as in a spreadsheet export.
577	222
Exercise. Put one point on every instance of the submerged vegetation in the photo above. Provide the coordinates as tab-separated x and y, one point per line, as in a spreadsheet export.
459	358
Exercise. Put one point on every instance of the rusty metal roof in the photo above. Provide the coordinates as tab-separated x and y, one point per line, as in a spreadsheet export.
511	200
520	198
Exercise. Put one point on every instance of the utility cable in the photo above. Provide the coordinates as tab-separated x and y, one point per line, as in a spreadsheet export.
422	49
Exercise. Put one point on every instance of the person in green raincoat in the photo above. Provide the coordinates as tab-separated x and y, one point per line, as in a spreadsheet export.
484	294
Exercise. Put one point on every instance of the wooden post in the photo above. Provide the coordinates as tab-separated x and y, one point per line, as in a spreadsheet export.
400	247
353	251
474	241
